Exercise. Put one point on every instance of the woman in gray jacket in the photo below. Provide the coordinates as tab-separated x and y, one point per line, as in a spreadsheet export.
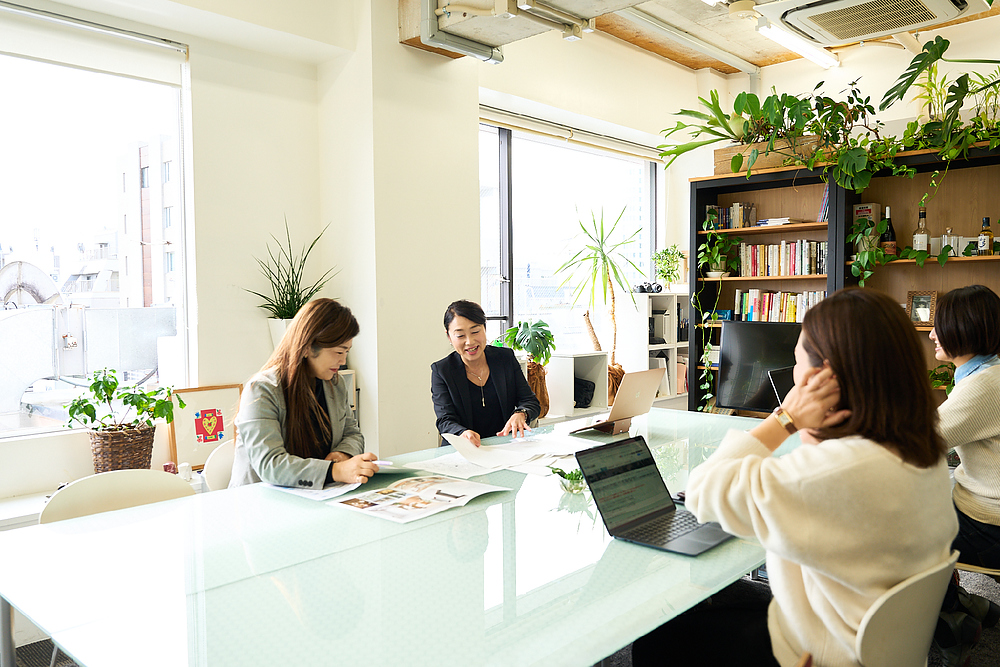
295	426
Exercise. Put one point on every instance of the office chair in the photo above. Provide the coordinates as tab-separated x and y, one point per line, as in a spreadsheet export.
219	466
114	490
897	629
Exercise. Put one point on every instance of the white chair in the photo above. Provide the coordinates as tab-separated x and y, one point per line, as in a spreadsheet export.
109	491
219	466
897	630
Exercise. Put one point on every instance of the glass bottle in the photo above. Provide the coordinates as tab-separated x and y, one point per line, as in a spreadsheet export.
920	237
985	245
888	240
949	238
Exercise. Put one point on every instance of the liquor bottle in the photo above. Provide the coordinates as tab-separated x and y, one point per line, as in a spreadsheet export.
985	245
888	240
920	237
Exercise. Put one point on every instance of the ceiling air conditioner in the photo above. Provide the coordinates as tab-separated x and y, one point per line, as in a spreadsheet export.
832	22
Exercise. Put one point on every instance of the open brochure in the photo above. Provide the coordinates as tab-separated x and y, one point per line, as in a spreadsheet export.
416	497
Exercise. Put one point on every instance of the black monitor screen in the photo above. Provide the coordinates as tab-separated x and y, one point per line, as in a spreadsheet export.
747	352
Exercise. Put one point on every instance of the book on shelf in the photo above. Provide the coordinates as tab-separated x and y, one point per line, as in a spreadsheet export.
770	222
735	216
755	305
801	257
824	206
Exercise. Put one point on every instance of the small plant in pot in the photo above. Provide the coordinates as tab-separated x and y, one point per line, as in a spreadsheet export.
121	420
668	264
284	271
714	252
535	339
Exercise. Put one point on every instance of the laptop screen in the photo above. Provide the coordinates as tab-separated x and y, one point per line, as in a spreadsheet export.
625	482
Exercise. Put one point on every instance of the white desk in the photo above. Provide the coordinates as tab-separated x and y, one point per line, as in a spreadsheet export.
255	576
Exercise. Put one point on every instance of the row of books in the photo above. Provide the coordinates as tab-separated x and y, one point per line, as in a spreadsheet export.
740	214
788	258
754	305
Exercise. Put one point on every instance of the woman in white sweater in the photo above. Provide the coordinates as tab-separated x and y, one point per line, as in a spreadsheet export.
967	333
860	506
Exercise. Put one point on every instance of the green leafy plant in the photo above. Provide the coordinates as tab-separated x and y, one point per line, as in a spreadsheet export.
572	475
668	263
532	337
112	407
715	252
285	271
943	375
600	263
721	245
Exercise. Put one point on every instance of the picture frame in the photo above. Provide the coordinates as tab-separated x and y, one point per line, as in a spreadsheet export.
204	424
920	306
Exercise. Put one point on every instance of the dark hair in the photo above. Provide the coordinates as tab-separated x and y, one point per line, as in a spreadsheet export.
967	321
319	324
877	356
470	310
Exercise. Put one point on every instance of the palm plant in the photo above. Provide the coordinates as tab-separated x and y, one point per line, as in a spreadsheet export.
598	263
284	271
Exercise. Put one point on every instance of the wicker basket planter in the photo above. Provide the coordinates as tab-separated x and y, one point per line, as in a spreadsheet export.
805	146
120	450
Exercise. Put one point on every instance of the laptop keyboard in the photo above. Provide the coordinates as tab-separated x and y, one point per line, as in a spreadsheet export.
664	528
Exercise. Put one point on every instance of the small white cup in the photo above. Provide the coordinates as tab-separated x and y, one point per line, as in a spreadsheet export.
184	471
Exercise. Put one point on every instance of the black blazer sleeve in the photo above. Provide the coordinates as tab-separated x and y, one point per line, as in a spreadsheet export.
446	393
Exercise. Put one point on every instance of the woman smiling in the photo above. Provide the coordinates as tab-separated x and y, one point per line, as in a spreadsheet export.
479	390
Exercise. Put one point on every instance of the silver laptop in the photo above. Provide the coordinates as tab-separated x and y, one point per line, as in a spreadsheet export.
635	397
635	503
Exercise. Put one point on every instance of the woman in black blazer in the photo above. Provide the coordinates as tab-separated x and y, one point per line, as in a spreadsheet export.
479	390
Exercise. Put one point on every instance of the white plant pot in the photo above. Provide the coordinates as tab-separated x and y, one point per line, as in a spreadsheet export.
277	328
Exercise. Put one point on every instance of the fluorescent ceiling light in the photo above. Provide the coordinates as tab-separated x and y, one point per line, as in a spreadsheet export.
711	3
820	56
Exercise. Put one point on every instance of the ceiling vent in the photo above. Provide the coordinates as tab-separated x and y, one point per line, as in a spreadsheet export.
832	22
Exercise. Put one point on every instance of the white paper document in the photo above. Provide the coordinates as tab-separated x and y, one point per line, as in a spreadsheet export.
416	497
493	457
326	493
452	465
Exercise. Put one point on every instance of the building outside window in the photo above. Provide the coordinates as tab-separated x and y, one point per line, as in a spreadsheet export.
166	171
95	266
168	212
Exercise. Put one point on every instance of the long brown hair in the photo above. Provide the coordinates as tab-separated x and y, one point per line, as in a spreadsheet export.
879	363
319	324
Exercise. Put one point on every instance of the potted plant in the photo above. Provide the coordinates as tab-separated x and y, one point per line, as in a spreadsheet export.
284	271
535	339
714	253
121	420
599	262
668	264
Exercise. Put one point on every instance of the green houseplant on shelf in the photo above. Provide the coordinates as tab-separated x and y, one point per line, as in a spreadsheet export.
668	264
537	341
601	263
289	291
121	420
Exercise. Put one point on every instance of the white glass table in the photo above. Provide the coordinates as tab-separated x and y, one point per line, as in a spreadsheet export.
255	576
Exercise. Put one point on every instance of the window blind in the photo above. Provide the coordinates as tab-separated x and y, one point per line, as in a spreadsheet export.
41	35
523	123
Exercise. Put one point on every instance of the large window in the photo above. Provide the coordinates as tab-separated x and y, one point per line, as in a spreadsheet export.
535	192
81	289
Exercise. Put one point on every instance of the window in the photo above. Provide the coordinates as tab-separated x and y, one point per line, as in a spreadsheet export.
89	273
166	171
168	213
536	191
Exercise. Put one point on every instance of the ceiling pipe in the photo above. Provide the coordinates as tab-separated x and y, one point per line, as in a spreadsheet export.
690	41
908	41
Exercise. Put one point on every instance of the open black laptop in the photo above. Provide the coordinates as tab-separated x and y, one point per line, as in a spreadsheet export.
635	504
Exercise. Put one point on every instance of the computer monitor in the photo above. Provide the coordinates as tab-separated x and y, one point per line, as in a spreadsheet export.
748	350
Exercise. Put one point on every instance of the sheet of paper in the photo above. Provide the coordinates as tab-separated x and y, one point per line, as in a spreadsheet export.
487	457
327	492
453	465
417	497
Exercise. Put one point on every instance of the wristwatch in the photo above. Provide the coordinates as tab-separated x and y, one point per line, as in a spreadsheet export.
785	419
521	410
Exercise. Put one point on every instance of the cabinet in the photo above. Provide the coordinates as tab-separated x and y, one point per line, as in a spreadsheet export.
967	193
563	369
654	334
793	193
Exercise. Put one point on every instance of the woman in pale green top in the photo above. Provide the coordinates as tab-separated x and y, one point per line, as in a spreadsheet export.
295	426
